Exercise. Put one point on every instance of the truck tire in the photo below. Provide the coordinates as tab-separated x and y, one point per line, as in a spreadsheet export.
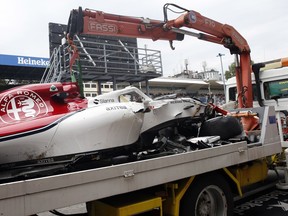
208	194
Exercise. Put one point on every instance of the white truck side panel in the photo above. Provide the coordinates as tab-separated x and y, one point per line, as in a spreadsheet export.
42	194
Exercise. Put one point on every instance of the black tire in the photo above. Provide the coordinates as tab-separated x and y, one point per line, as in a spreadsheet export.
224	126
209	194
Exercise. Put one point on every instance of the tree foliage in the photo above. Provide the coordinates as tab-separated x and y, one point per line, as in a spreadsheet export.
232	70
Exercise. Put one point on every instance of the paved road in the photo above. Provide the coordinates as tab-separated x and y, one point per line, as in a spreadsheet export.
267	203
80	208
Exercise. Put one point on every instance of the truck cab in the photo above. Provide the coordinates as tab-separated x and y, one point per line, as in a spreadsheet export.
273	92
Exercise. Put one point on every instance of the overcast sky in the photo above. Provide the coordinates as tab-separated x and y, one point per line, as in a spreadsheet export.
24	27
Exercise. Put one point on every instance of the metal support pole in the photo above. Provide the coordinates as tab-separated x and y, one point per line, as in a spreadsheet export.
114	83
99	87
223	77
147	87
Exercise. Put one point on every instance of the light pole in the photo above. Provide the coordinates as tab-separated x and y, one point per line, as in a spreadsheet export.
223	77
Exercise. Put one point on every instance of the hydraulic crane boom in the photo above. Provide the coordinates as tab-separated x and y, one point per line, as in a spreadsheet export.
99	23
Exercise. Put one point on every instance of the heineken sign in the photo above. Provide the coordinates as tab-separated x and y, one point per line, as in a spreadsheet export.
24	61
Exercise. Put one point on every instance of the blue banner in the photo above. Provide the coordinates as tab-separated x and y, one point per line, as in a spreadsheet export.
24	61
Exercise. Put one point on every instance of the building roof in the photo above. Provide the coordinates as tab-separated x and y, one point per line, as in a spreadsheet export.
187	83
176	82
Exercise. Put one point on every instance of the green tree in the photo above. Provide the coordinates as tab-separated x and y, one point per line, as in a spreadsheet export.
232	70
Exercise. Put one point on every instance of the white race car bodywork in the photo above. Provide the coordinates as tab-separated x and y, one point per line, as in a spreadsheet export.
110	121
161	110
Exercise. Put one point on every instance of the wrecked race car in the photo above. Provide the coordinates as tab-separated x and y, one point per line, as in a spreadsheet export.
49	127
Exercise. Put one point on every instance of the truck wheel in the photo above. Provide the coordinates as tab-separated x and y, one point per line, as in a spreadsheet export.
208	195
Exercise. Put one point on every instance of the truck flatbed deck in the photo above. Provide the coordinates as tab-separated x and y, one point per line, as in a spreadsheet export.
52	192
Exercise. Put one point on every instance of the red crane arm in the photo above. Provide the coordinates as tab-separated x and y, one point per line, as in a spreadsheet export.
215	32
99	23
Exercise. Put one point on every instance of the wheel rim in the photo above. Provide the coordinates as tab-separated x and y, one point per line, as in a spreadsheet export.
211	202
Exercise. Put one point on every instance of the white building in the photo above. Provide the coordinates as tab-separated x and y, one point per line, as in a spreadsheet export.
91	88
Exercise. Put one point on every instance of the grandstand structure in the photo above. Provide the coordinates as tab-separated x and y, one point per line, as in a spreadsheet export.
107	63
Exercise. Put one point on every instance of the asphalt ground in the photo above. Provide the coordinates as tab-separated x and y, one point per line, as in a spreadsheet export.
75	209
266	203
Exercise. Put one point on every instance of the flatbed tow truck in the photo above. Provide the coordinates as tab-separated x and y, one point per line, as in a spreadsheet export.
194	182
176	172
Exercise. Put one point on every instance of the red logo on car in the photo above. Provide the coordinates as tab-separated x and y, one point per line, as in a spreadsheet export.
21	105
